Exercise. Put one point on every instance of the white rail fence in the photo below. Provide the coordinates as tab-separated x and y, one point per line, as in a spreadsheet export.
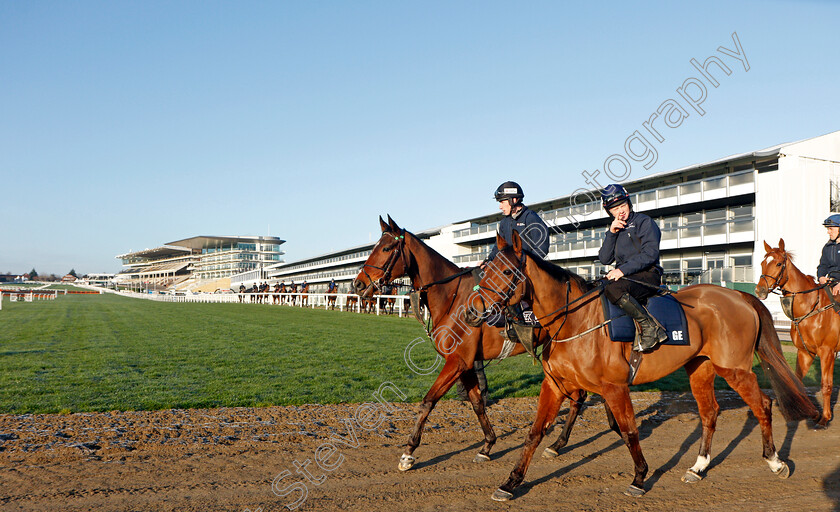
310	300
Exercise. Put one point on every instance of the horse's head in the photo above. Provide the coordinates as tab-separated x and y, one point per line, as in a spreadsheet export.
388	260
503	282
773	268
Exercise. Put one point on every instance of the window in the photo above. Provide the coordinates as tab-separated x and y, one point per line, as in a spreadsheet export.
714	184
742	261
690	188
715	215
668	192
740	179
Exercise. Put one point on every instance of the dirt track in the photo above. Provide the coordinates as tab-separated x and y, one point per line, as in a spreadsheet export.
227	459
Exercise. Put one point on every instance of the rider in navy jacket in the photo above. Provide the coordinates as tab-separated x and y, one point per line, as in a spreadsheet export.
634	248
829	267
632	243
518	217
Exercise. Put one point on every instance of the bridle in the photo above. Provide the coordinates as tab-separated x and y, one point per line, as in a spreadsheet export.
776	278
512	283
388	268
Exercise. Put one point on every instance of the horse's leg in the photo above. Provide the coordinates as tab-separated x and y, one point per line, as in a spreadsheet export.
618	399
701	377
547	408
826	354
575	407
745	383
470	381
452	369
804	359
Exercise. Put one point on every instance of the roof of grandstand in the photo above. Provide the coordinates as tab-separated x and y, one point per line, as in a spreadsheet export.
157	253
203	242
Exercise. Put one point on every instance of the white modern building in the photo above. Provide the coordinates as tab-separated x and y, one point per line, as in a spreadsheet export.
200	261
714	219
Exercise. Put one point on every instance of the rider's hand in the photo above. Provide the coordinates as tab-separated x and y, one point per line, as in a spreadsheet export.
617	225
615	274
823	280
836	289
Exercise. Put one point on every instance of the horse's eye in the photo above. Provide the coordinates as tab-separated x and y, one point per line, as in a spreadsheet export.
387	249
507	272
778	264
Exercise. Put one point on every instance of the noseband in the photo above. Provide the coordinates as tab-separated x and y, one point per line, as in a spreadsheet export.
777	278
513	282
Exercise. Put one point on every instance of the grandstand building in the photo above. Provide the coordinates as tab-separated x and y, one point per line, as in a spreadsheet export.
200	263
714	219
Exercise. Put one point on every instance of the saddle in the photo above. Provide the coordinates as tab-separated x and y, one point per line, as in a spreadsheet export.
664	308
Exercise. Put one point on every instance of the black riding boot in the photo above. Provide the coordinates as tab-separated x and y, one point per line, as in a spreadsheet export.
463	395
652	333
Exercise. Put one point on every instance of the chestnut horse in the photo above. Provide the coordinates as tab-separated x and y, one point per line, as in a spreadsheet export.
304	299
816	326
399	253
725	328
331	296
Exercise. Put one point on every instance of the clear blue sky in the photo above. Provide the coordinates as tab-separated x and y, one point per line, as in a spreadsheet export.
126	125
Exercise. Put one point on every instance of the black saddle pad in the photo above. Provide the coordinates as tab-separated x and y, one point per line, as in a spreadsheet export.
664	308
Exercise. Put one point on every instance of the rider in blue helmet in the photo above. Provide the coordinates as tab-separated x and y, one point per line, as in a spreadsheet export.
829	267
632	246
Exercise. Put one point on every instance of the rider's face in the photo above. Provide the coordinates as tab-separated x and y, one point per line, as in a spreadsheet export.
833	232
621	212
504	205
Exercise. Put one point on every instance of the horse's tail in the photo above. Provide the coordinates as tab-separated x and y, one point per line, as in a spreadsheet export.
791	397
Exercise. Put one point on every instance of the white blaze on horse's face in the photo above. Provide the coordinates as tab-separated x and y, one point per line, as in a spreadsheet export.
768	260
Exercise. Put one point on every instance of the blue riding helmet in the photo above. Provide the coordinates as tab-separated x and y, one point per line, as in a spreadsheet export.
833	221
614	195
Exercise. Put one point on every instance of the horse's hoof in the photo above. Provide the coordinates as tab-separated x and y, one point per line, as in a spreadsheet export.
480	457
634	492
783	472
549	453
406	462
821	424
691	477
501	495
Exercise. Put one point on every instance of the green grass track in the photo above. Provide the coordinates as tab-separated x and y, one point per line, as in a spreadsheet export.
105	352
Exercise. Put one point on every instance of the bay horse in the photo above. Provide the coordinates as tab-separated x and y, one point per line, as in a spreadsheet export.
351	302
725	328
304	298
815	329
275	299
331	296
293	288
447	287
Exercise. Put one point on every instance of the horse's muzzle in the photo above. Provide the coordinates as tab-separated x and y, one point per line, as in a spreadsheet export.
761	292
472	318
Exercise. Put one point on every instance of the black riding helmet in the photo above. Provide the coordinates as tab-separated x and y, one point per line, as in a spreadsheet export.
509	190
614	195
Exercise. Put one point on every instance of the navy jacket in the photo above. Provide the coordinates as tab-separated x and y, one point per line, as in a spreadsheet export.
634	248
531	229
829	261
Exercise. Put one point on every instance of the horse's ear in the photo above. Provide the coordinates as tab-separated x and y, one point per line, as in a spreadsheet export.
767	247
393	224
383	225
517	243
782	244
501	243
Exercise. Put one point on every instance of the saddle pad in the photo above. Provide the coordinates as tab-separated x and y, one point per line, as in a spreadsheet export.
664	308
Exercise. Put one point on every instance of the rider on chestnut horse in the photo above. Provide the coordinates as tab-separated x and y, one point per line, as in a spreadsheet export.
829	267
632	243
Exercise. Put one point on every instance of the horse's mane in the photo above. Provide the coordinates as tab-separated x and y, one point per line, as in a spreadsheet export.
559	273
